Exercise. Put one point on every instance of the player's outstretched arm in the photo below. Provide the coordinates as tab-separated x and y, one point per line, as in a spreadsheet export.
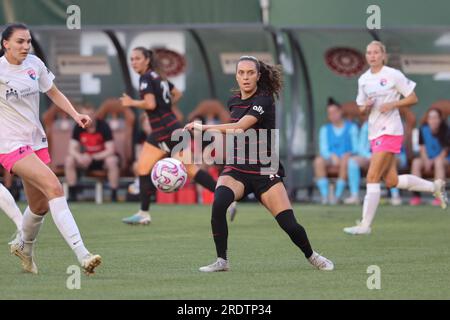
64	104
243	124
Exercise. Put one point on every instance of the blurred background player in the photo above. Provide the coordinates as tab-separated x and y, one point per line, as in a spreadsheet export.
434	141
157	95
254	107
92	148
338	140
24	148
379	93
144	131
361	161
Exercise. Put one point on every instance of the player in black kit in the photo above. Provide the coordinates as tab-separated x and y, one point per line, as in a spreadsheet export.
157	95
254	108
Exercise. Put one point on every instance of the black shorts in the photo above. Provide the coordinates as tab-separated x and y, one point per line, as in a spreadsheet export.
100	164
253	183
165	145
96	165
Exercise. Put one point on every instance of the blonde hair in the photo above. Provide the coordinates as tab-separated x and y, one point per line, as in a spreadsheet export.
382	47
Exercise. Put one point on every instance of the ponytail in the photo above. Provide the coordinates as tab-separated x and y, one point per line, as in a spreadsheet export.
271	79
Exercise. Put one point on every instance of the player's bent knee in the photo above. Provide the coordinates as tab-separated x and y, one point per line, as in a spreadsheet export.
223	197
39	207
143	169
286	220
54	189
391	182
373	177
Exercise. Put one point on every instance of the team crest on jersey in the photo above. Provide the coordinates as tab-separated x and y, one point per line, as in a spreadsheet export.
11	93
32	74
383	82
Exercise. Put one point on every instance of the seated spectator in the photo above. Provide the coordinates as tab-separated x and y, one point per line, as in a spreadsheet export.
434	142
361	161
338	140
92	149
211	111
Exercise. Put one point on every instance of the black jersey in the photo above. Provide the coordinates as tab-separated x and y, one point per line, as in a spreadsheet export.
162	119
261	106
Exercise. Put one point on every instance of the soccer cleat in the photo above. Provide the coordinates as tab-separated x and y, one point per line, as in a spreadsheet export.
232	210
440	193
320	262
138	218
357	230
27	261
90	262
15	238
219	265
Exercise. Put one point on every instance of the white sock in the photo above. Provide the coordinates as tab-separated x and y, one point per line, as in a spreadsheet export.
67	226
8	204
370	205
31	225
414	183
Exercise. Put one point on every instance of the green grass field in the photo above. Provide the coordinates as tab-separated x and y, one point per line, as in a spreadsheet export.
410	245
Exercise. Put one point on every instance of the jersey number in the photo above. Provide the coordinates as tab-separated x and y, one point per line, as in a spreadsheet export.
166	91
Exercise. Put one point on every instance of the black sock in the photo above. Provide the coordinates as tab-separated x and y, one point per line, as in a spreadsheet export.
114	195
204	179
416	194
296	232
146	189
223	197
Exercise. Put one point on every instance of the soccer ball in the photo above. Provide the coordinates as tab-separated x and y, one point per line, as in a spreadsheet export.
169	175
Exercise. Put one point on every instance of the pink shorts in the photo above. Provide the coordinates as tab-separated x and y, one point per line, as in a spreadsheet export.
7	160
387	143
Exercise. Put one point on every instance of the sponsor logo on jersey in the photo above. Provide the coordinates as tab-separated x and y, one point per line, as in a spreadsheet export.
258	109
143	86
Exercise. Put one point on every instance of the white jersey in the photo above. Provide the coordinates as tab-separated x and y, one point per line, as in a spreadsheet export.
19	103
387	85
